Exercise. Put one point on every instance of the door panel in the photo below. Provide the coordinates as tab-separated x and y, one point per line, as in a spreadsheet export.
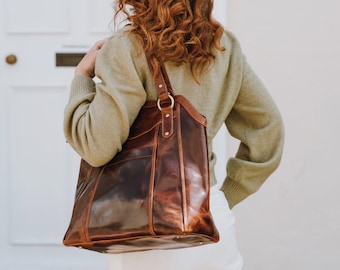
37	16
38	170
100	12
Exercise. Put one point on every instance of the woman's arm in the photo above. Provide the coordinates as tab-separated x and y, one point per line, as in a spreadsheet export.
257	123
98	116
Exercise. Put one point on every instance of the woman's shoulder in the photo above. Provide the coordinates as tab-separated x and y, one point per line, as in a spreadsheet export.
123	35
232	53
230	42
122	43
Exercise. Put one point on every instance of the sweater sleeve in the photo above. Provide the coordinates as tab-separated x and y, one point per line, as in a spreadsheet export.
98	116
257	123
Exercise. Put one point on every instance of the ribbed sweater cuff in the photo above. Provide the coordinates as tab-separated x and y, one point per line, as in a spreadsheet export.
82	84
234	192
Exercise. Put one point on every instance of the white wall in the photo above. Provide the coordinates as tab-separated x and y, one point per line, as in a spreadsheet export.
293	221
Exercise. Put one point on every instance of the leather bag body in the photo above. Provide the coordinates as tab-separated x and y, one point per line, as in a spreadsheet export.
154	194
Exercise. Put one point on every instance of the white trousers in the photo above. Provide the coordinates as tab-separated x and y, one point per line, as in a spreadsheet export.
221	256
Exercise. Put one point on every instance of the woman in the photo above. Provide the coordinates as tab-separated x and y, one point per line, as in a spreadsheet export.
206	65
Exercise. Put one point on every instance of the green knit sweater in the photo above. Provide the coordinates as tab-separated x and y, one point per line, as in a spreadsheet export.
98	115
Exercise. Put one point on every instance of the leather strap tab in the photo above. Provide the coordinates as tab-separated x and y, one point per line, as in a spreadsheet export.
161	88
166	79
167	122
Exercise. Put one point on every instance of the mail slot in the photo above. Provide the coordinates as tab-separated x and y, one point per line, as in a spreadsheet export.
68	59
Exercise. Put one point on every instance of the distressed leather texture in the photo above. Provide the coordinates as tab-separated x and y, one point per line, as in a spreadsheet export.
154	194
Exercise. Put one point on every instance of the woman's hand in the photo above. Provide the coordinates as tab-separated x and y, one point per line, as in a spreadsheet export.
87	64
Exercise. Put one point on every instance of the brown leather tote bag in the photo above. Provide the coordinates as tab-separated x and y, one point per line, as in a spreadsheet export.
154	194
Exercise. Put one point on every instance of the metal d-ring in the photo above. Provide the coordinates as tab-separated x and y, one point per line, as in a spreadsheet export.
171	105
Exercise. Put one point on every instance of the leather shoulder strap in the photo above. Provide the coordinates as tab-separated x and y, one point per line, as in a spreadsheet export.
162	82
166	78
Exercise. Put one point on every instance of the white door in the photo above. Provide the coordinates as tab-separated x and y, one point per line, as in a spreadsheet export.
38	170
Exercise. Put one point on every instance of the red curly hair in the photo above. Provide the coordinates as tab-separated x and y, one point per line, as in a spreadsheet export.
181	31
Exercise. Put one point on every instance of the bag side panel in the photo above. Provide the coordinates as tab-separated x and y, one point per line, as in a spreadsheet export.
197	183
77	230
